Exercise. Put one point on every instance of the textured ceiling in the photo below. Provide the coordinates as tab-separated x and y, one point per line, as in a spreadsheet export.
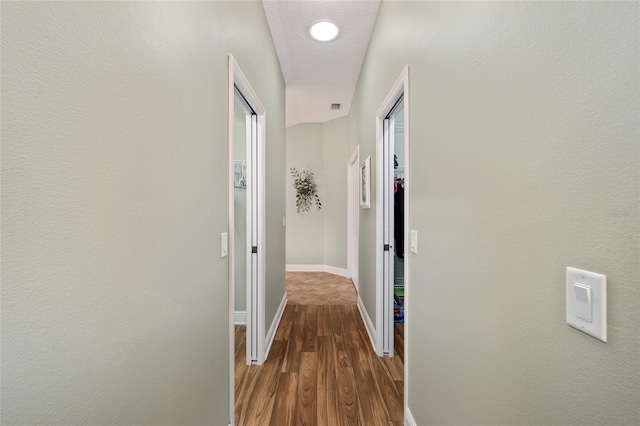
318	74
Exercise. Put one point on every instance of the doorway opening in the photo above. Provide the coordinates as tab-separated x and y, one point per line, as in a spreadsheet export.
392	213
246	220
392	221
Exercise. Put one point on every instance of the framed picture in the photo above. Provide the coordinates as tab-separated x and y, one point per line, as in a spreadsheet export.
365	183
240	174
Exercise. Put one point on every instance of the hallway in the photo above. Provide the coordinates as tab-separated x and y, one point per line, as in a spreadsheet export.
321	368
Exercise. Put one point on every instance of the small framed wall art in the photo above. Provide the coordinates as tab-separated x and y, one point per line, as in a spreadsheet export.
365	183
240	174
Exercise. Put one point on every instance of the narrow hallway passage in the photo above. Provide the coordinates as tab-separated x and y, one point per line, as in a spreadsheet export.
321	368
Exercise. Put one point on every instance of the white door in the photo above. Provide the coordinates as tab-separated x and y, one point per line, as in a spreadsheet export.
246	217
247	137
253	305
387	117
385	222
388	233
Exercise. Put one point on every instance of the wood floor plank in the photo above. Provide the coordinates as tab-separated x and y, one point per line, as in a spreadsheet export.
262	398
284	327
370	396
399	339
291	363
244	394
284	410
310	329
348	400
326	320
322	387
337	325
353	336
329	366
320	321
240	355
394	367
392	398
307	390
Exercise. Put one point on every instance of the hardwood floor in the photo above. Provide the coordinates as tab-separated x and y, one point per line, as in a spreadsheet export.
321	370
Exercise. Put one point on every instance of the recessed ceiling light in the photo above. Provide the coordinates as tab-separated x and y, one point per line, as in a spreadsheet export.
324	30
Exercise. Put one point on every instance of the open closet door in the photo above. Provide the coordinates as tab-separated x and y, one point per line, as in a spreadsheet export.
254	247
388	240
385	238
249	143
254	355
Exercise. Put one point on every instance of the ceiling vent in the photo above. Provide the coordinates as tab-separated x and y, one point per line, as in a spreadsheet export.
336	106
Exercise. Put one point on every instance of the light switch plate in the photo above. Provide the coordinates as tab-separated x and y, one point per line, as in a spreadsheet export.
414	241
224	245
586	294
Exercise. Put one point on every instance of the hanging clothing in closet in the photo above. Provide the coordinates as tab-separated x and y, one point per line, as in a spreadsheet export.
398	219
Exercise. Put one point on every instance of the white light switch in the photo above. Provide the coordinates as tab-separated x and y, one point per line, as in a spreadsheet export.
586	294
224	245
583	301
414	241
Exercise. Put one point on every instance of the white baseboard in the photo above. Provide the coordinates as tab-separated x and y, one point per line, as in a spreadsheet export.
319	268
240	317
271	334
371	331
337	271
408	418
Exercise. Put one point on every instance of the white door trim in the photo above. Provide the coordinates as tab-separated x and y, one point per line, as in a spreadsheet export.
353	220
399	89
255	309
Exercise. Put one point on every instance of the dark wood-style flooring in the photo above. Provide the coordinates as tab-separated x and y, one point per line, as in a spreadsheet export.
321	370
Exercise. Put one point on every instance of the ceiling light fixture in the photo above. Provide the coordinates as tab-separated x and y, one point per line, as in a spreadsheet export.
324	30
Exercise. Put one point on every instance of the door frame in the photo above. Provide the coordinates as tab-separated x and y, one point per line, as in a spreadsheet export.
384	288
353	221
256	184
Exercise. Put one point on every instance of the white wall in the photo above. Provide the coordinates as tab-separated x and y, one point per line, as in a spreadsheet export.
305	232
114	192
336	155
524	127
319	237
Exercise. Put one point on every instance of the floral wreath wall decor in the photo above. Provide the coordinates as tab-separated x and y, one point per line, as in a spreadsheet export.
304	182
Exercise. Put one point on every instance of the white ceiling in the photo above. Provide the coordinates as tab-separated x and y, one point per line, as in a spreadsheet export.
318	74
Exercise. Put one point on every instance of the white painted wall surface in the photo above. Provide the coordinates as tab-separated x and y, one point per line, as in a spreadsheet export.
114	192
319	237
524	145
336	154
305	232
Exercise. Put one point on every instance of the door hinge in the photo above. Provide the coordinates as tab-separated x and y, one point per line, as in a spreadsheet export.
386	247
254	249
